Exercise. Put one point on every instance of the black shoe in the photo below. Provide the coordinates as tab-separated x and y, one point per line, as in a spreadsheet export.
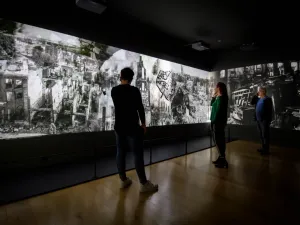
222	163
216	161
264	152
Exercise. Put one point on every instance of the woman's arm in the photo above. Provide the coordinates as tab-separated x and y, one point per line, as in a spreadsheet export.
212	101
219	108
215	109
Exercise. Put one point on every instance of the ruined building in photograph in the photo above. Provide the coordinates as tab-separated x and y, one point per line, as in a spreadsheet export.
53	83
282	81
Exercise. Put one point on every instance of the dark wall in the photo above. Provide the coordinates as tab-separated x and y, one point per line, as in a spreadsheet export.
279	137
34	166
112	28
228	59
18	154
31	166
282	81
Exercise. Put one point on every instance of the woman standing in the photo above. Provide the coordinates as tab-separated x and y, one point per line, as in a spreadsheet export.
218	119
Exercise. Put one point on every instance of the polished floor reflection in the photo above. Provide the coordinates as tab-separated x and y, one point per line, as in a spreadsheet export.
254	190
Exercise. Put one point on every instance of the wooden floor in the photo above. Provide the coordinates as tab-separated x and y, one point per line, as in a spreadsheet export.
254	190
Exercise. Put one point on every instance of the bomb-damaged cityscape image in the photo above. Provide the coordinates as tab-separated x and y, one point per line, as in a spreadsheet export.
52	83
282	81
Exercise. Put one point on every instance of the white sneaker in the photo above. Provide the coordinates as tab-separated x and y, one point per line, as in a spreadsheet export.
126	183
149	187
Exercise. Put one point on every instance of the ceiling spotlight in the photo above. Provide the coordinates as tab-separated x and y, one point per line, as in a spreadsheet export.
96	6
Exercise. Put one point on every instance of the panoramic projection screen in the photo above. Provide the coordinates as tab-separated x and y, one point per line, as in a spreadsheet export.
53	83
282	81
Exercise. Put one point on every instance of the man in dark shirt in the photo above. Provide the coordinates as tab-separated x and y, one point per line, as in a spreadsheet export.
263	116
129	110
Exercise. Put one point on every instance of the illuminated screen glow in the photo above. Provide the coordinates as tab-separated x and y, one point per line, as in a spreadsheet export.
53	83
282	81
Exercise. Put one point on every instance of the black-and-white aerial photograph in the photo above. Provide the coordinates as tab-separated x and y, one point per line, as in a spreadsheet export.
53	83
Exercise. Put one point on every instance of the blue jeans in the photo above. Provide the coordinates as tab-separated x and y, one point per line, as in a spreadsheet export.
135	143
264	132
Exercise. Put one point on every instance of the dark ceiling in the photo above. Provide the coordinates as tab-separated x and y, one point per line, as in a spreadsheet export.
163	29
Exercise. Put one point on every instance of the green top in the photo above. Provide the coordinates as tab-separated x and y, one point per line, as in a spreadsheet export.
215	103
219	109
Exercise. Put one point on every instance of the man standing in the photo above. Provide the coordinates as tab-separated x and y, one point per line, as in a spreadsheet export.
263	115
129	110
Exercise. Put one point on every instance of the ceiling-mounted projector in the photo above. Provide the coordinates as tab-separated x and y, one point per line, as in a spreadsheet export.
96	6
199	46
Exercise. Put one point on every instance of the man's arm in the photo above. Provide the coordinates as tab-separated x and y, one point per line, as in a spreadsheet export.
269	109
140	108
113	93
254	100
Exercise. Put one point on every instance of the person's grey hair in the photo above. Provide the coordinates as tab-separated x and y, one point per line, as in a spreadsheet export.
263	89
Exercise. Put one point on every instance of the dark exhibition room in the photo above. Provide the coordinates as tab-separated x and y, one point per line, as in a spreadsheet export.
153	112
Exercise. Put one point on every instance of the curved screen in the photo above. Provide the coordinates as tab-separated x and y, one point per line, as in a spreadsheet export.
53	83
282	83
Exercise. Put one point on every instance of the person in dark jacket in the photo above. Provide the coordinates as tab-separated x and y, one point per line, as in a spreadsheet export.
218	119
263	116
254	101
129	111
